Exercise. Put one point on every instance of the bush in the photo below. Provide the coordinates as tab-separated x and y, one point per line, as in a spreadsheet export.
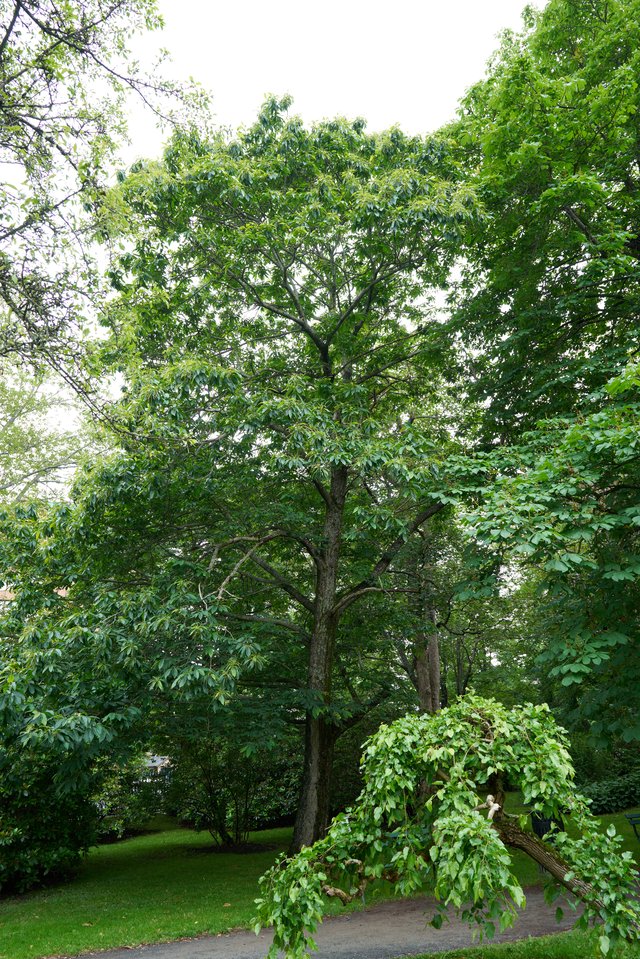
593	763
214	786
44	828
612	795
53	809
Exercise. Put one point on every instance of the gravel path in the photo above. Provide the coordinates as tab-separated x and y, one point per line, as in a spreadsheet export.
386	931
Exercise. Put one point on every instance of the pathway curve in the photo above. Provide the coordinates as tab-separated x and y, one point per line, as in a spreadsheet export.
388	930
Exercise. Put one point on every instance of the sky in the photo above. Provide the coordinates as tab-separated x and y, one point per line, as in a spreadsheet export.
404	62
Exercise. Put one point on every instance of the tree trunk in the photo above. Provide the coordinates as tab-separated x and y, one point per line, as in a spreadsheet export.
312	818
313	810
427	666
512	835
433	652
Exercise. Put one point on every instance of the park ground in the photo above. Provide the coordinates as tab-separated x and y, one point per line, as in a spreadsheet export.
169	885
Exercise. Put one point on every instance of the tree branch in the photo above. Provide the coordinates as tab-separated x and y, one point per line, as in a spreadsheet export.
283	583
386	559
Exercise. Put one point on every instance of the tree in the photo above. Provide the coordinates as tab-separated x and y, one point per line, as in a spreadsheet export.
454	629
273	321
88	659
424	817
571	510
45	824
65	71
38	449
547	302
546	312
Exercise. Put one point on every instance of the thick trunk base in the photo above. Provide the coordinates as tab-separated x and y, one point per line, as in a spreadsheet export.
312	819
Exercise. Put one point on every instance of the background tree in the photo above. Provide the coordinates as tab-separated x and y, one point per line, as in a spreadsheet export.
547	303
273	319
65	73
42	440
227	774
546	313
572	511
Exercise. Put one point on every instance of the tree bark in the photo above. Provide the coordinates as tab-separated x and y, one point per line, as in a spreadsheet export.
312	817
512	835
427	669
433	652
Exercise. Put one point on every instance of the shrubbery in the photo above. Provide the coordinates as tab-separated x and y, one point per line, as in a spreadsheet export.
129	796
49	817
214	786
44	830
612	795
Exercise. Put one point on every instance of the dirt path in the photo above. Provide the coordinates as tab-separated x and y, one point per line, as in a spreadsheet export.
386	931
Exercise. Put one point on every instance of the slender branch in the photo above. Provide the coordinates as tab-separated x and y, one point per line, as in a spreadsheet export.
582	226
322	490
387	557
284	583
9	30
243	559
353	596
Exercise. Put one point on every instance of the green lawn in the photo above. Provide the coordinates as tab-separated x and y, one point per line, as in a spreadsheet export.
565	945
167	885
157	887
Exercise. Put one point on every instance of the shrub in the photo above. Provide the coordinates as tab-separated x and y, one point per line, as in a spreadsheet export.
44	828
594	763
128	797
214	786
612	795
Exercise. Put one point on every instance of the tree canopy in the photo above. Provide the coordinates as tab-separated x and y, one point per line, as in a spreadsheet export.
274	321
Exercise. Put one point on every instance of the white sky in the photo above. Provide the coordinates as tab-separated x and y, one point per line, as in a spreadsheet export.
404	62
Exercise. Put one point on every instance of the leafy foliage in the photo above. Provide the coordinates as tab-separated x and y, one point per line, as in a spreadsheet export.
422	819
38	450
549	290
612	795
274	328
565	500
46	821
66	71
129	795
217	787
546	314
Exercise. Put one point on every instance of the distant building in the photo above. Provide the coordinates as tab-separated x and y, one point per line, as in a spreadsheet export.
155	764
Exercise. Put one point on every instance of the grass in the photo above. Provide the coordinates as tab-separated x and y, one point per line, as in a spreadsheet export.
565	945
153	888
166	885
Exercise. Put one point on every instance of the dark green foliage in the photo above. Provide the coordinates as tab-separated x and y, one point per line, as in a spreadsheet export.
215	786
593	764
547	312
565	501
347	762
613	795
44	828
549	295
